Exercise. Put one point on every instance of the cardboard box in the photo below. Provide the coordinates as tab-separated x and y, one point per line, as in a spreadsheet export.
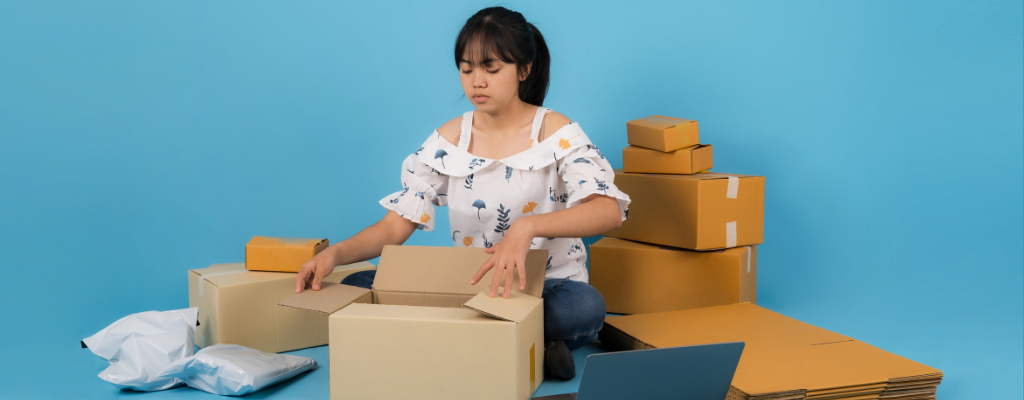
688	160
640	278
424	332
281	254
238	306
662	133
783	358
698	212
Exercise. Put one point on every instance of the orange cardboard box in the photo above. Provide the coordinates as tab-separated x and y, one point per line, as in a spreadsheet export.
281	254
783	358
640	278
704	211
662	133
688	160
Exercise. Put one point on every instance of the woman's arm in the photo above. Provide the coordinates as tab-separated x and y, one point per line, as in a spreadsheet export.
365	245
596	214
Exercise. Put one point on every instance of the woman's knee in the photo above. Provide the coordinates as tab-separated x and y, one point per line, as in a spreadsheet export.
573	309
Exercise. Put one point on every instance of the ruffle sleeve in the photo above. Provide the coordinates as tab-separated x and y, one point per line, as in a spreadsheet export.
585	171
423	187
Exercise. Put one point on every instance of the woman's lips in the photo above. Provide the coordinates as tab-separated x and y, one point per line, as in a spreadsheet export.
480	99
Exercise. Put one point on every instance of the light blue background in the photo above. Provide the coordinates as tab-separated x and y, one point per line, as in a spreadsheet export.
139	139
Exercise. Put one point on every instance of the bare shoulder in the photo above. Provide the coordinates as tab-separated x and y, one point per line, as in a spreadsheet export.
552	122
451	130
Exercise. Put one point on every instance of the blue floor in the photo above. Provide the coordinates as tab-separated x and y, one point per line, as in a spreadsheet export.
313	385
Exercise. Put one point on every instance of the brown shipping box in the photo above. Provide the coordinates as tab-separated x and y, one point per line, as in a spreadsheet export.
688	160
783	358
424	332
281	254
662	133
698	212
238	306
640	278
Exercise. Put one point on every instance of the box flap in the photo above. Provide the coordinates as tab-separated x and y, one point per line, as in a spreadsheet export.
447	270
330	298
515	308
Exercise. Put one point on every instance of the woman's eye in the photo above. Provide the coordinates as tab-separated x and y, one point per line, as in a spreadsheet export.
495	71
466	72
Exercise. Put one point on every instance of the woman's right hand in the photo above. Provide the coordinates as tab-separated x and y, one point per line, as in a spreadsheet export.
316	269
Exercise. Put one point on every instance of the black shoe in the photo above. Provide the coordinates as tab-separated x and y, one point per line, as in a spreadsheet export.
558	360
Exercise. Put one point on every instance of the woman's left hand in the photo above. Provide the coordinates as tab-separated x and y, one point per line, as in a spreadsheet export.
508	256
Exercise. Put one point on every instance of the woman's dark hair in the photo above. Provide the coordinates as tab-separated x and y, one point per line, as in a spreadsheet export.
505	34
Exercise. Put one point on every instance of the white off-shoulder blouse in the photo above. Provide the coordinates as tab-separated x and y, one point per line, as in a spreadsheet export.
486	195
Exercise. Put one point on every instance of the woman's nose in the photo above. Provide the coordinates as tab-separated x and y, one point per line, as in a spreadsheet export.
479	80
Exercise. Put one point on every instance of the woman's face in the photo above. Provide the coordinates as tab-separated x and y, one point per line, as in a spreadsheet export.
492	84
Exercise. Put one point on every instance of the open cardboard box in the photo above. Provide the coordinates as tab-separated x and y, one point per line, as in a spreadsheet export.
424	332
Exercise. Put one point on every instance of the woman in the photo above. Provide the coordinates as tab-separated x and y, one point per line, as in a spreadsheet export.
515	176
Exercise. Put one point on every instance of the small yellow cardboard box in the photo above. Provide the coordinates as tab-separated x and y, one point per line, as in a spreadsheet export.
640	278
662	133
424	332
688	160
238	306
698	212
281	254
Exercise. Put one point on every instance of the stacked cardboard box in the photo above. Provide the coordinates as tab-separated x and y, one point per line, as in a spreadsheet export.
675	202
783	358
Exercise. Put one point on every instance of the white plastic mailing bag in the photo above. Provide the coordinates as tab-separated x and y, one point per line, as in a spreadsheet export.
233	370
141	345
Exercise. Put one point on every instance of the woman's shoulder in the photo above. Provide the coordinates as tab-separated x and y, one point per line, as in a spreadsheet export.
451	130
553	121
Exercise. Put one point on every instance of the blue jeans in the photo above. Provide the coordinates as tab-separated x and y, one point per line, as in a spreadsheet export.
573	311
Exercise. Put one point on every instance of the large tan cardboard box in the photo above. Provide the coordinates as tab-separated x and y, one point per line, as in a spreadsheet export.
688	160
662	133
640	278
424	332
783	358
698	212
238	306
281	254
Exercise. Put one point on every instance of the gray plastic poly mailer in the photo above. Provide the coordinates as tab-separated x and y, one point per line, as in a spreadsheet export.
233	370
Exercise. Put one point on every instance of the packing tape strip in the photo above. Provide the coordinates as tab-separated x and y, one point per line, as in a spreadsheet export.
200	278
202	341
749	250
730	234
734	186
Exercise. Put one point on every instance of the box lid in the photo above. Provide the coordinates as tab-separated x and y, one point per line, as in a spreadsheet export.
264	241
659	121
447	270
222	275
700	176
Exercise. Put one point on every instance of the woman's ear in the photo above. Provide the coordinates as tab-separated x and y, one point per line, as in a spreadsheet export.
524	75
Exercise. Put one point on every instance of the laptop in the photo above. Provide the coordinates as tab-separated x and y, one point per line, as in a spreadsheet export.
702	372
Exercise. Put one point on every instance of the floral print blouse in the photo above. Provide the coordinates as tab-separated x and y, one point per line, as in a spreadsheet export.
485	196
